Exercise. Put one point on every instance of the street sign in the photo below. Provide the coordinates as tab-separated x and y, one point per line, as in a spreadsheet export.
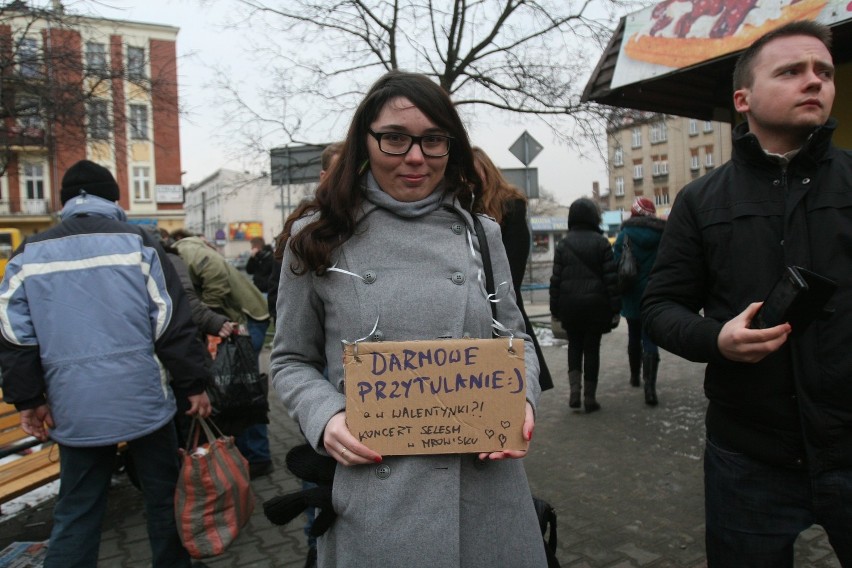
526	148
524	178
295	164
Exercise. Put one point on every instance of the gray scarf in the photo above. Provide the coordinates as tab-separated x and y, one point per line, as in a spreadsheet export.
379	198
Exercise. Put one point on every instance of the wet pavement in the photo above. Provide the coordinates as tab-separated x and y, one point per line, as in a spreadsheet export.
626	482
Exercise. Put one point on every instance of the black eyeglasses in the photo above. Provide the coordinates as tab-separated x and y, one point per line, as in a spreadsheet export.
397	144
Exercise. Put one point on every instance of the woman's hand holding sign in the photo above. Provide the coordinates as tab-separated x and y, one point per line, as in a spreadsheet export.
343	446
529	424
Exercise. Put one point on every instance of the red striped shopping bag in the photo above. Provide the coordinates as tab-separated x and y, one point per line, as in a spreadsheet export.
213	498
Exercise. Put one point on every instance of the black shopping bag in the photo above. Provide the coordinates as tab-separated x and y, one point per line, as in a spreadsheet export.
237	385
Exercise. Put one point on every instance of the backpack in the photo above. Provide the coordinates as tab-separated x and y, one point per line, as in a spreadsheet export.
628	268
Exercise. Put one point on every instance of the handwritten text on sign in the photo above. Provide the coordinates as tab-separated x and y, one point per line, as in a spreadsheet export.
436	397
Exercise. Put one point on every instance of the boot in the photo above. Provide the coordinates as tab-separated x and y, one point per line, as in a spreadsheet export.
589	396
574	378
635	358
650	362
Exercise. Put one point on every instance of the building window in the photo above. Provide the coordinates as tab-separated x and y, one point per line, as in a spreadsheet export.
618	156
98	120
28	60
29	116
661	167
141	183
693	161
619	186
638	171
693	127
708	126
34	181
708	159
139	122
135	62
659	132
661	196
541	242
96	61
637	137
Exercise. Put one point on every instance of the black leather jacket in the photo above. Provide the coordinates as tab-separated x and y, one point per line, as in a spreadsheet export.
730	235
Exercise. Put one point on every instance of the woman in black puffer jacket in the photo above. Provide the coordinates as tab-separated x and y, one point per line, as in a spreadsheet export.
584	297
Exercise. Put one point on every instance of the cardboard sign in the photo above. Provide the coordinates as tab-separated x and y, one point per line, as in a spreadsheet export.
436	397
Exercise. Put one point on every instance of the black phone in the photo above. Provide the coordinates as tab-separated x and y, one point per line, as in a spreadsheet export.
798	297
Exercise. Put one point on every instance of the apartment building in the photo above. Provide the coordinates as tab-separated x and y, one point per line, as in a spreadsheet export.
75	88
655	155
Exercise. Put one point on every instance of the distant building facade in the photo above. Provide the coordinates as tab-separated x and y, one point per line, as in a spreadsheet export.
655	155
229	208
87	88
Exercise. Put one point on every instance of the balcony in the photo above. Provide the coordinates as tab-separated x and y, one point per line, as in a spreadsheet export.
32	207
17	136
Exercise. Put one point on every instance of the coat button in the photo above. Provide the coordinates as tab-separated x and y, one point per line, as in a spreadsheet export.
378	335
806	181
776	182
383	471
369	277
457	228
457	278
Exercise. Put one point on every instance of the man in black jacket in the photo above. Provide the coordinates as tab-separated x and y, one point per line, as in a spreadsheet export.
778	456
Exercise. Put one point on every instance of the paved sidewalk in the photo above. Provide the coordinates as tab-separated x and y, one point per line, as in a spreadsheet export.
626	481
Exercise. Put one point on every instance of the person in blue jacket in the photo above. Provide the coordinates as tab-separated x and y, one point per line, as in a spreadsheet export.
90	313
643	231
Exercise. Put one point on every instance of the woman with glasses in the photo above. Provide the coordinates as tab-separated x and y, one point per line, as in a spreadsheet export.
389	252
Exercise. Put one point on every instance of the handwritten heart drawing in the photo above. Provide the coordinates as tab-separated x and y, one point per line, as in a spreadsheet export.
502	438
505	424
490	433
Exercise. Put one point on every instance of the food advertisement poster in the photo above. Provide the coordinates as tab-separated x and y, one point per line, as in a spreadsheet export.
675	34
436	397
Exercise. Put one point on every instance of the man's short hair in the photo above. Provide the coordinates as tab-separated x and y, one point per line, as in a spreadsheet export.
743	71
257	242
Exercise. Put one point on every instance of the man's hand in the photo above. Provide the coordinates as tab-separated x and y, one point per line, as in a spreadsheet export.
33	421
739	343
227	329
199	405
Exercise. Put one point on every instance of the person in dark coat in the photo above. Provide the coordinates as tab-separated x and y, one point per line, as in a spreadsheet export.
643	231
508	206
584	297
260	264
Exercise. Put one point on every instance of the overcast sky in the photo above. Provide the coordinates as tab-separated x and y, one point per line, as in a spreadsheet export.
202	43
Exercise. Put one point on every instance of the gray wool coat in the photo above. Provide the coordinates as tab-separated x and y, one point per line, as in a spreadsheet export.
408	511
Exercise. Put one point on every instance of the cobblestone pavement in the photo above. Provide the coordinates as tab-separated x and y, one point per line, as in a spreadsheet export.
626	481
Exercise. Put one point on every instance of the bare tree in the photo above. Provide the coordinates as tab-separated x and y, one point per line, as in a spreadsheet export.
525	57
52	87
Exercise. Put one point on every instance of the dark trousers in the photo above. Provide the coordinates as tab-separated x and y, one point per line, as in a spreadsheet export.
755	511
638	340
584	353
84	482
253	443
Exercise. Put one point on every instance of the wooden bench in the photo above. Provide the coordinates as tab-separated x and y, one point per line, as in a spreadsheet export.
31	471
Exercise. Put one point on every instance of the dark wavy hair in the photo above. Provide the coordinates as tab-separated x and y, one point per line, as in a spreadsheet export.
340	194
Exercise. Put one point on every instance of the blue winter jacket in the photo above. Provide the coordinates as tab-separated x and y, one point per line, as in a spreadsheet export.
645	234
88	311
